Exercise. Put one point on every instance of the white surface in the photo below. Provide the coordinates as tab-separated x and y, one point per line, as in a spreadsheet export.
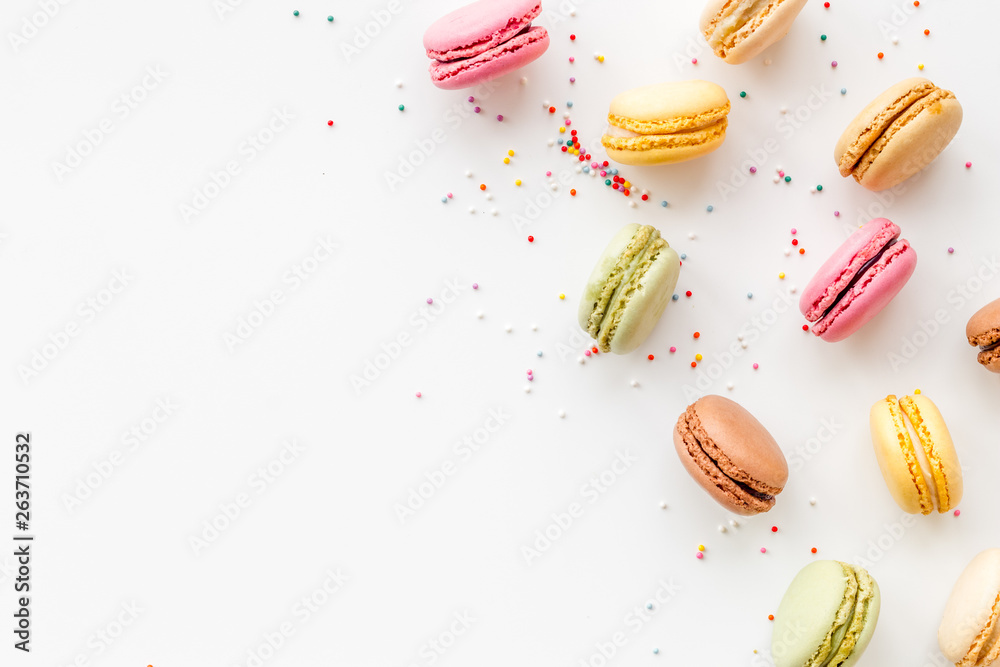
333	506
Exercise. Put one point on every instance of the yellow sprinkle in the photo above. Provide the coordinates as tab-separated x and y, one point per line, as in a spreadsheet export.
916	391
698	357
510	153
562	296
781	275
600	59
701	547
920	66
506	160
518	182
562	130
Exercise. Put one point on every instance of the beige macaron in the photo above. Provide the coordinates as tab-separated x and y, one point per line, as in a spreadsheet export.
738	30
902	131
969	634
916	454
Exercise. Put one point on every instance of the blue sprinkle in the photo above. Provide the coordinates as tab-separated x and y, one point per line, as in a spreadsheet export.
561	142
569	104
684	255
843	91
710	208
675	297
614	172
749	295
586	170
539	353
656	651
649	605
663	203
444	200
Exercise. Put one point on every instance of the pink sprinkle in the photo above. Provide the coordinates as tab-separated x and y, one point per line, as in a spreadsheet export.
672	349
781	173
471	99
753	170
529	371
450	195
958	512
604	173
756	365
419	394
794	231
548	173
833	64
763	550
594	165
500	118
430	300
836	214
572	79
475	285
968	165
572	59
586	353
568	122
531	378
477	109
694	61
699	555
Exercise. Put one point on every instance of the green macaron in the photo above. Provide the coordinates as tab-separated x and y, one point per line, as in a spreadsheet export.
827	617
628	289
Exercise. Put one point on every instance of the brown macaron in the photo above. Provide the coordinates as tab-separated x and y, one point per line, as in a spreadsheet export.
731	455
983	331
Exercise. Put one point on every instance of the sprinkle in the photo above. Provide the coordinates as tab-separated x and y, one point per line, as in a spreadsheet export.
699	555
881	55
698	357
920	66
836	214
795	241
743	93
753	170
793	232
729	386
500	118
399	83
508	328
475	285
688	293
572	38
295	13
957	512
701	547
572	59
656	651
756	365
552	109
734	523
749	295
664	202
827	5
805	327
916	391
697	334
572	79
444	200
517	182
763	551
694	61
843	91
813	550
663	504
968	165
600	59
788	179
482	186
506	160
694	364
927	32
418	393
916	3
330	123
802	251
429	300
770	617
781	275
710	208
774	529
822	38
634	383
951	250
401	107
833	64
330	19
471	99
672	349
527	389
812	501
572	193
531	239
539	353
722	528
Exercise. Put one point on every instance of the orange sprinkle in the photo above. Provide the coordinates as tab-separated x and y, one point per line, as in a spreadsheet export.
927	32
881	55
694	364
482	186
802	251
770	617
572	193
814	549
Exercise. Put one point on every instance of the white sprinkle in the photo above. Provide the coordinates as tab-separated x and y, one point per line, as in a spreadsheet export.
534	327
734	523
783	110
634	383
793	289
744	345
722	528
572	12
729	386
739	336
554	186
399	83
480	314
508	328
691	235
645	191
579	169
565	114
468	173
493	211
552	142
524	80
527	389
895	40
777	179
596	54
663	504
593	173
778	169
580	359
489	196
632	204
812	501
562	414
787	252
546	104
472	209
767	61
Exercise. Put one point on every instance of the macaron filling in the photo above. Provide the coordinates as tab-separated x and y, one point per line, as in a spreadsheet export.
860	274
734	16
990	347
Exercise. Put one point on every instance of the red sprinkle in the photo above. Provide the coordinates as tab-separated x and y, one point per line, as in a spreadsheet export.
814	549
482	186
927	32
645	198
694	364
805	327
795	241
688	293
531	239
697	334
552	109
827	5
650	357
572	38
774	529
330	123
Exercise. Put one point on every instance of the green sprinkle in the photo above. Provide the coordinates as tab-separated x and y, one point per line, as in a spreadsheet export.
401	107
819	188
330	19
295	13
823	37
743	93
607	182
788	179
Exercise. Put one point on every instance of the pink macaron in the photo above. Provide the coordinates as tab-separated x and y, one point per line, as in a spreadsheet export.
858	281
484	40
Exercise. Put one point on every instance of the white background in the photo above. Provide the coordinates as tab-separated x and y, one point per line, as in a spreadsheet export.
333	506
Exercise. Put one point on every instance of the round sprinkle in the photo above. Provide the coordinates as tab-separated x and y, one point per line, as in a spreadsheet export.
781	275
749	295
330	19
709	208
330	123
475	285
634	383
572	193
572	79
916	391
951	250
774	529
795	241
482	186
701	547
401	107
805	327
699	555
770	617
927	32
813	550
694	364
694	61
916	3
881	55
819	188
920	66
688	293
295	13
664	202
753	170
822	38
827	5
763	551
802	251
743	93
656	651
968	165
506	160
843	91
836	214
572	38
756	366
957	512
663	504
722	529
471	99
572	59
672	349
500	118
531	239
812	501
788	179
697	334
508	328
600	59
698	357
833	64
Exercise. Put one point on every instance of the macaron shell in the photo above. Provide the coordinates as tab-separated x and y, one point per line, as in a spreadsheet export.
871	621
767	27
509	56
665	148
894	451
945	468
869	124
644	307
708	476
912	146
843	264
599	276
973	603
672	106
478	27
869	296
811	606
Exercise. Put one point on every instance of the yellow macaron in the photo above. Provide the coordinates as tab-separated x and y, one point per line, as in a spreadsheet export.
666	122
916	454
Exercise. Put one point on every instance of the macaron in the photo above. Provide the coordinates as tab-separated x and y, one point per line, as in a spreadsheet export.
666	122
628	289
827	616
968	632
731	455
898	134
484	40
858	280
916	454
738	30
983	331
